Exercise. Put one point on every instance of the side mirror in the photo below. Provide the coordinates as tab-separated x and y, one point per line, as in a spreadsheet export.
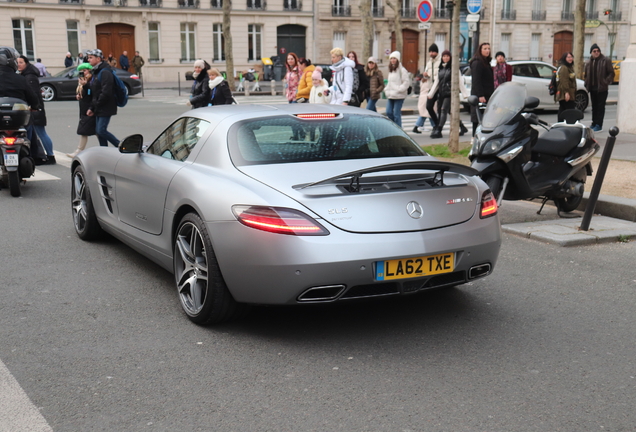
132	144
531	102
474	100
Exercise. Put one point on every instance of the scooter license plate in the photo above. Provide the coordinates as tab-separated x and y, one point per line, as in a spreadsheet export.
10	160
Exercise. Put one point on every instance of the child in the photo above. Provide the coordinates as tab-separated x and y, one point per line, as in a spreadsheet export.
319	90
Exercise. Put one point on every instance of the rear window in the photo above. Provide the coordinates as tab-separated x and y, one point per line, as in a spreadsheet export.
289	139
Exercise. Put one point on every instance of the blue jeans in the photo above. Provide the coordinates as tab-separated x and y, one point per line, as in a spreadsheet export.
371	104
421	120
394	110
46	140
103	136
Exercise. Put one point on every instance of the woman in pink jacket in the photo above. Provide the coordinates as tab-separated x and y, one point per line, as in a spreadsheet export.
292	77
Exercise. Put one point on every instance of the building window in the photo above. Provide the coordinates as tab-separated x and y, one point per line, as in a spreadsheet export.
505	44
216	4
256	4
440	10
153	39
23	37
292	5
590	10
377	10
376	49
150	3
587	45
408	11
254	32
188	42
72	36
440	41
566	12
340	8
534	47
218	42
339	40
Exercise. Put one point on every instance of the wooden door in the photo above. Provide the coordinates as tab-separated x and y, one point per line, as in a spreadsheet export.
563	42
116	38
411	41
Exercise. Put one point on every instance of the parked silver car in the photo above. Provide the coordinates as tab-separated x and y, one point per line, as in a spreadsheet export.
536	75
288	204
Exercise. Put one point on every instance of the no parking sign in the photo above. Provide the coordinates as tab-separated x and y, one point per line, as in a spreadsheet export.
425	11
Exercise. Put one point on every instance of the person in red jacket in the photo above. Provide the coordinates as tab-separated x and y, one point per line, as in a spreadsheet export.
502	71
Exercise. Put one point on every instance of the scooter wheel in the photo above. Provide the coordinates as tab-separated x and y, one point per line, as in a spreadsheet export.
14	183
569	204
494	184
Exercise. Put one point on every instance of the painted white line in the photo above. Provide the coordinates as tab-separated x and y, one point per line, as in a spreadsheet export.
17	412
41	176
62	159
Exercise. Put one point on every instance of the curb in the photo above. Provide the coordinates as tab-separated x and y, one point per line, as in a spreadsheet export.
615	207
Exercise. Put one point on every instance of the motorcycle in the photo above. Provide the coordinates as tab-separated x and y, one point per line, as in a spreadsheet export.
16	163
518	164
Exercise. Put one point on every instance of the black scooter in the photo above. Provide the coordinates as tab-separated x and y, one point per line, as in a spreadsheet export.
16	163
518	164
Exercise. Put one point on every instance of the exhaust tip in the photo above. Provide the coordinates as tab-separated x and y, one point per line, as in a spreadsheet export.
321	293
479	271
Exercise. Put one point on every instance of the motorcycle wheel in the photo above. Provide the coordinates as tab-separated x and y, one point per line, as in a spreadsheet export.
84	218
494	184
569	204
14	183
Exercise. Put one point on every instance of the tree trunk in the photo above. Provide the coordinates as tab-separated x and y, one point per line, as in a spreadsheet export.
399	43
227	35
579	38
367	30
453	139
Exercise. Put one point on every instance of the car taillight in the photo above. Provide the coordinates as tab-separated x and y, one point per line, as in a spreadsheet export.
316	116
488	205
278	220
133	76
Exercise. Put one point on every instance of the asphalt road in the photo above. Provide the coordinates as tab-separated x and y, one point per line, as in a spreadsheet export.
94	336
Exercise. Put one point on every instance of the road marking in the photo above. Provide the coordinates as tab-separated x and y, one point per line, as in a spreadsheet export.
42	176
17	412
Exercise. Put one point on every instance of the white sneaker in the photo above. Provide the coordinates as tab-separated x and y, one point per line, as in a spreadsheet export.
426	129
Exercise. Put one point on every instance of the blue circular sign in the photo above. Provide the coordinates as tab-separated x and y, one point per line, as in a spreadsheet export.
474	6
425	11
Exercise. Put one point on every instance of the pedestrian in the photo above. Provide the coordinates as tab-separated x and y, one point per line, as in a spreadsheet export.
304	84
566	84
32	74
599	74
137	63
103	103
483	84
376	83
292	77
112	61
425	105
220	93
40	66
363	82
442	88
501	71
201	86
341	89
68	60
86	124
396	89
123	61
320	88
80	59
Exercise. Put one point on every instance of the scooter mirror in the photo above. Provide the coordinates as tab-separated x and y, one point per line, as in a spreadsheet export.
531	102
474	100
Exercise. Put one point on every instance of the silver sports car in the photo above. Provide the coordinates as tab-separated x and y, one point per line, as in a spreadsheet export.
288	204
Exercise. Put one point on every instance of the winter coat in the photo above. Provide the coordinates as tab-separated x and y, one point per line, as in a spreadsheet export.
201	93
508	70
103	103
342	81
32	74
86	124
137	63
317	94
376	82
220	93
442	85
363	86
304	85
292	78
483	82
599	74
432	69
68	61
398	84
15	86
112	62
123	62
566	83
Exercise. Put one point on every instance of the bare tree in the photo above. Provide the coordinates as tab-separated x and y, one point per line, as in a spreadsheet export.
367	28
397	12
579	38
453	139
227	36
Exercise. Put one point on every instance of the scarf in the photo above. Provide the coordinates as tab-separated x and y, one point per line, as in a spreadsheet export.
500	74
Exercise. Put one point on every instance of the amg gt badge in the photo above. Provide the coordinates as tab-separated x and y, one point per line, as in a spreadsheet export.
458	200
414	210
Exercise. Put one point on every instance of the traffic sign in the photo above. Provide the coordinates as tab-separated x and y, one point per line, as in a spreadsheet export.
472	18
425	11
424	26
474	6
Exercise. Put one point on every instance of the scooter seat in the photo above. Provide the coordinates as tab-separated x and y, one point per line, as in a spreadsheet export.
559	140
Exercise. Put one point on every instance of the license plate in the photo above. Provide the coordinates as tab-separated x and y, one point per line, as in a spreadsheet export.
414	267
10	160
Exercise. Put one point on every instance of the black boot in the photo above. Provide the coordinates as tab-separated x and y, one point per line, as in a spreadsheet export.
462	129
437	133
416	129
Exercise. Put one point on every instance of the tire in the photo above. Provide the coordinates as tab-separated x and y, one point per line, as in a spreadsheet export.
494	184
582	100
14	183
570	203
48	92
202	291
84	219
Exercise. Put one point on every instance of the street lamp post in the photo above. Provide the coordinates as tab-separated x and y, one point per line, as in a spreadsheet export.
450	5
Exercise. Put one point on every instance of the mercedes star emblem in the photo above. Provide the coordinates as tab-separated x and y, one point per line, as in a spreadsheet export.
414	210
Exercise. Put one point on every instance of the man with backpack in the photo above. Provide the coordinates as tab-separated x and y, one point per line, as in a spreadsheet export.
104	102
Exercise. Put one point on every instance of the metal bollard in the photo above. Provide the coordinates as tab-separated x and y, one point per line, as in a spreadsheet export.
247	89
598	181
273	84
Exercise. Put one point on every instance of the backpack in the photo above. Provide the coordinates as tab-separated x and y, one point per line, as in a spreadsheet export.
121	91
554	82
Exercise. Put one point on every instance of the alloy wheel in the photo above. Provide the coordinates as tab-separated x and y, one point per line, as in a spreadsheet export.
79	202
191	268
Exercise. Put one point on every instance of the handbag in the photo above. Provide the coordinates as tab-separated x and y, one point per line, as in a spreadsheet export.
354	101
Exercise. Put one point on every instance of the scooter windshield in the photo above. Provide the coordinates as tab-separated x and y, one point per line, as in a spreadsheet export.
506	102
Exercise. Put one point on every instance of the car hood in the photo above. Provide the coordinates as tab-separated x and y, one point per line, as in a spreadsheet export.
378	196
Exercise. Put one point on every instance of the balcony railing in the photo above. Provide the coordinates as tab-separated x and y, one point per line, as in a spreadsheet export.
591	15
216	4
378	12
442	13
538	15
115	3
256	5
71	1
150	3
292	5
407	12
615	16
507	14
567	16
188	4
342	11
